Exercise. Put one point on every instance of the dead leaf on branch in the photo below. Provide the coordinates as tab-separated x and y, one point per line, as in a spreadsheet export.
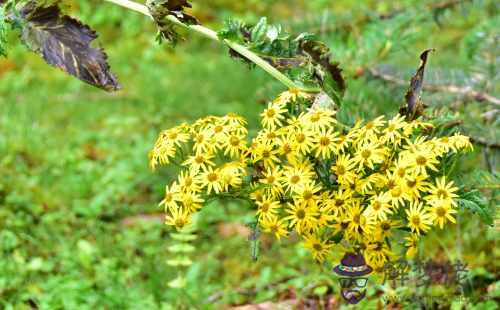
159	9
64	42
414	106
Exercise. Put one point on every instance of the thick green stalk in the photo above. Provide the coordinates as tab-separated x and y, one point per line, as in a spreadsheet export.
213	35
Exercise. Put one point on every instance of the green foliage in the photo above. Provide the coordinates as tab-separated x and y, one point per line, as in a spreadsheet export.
472	201
9	5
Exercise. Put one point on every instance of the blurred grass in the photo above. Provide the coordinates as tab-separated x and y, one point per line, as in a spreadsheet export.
73	165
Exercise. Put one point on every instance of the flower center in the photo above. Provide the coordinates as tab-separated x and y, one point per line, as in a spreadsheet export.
163	149
232	115
271	135
415	220
391	184
259	197
270	113
273	228
293	91
440	211
218	129
445	139
188	202
356	219
295	179
342	139
397	192
362	246
266	153
151	154
271	179
212	177
377	205
379	246
401	172
169	197
339	203
234	141
180	223
324	141
391	128
265	207
340	170
199	160
307	195
370	125
301	214
366	154
300	137
317	247
442	193
415	243
344	225
199	139
188	182
227	178
421	160
411	184
385	226
287	148
315	118
173	136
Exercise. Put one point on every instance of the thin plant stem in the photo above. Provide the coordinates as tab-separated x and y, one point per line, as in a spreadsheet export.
213	36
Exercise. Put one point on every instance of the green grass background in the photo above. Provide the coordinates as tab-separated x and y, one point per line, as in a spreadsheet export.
73	166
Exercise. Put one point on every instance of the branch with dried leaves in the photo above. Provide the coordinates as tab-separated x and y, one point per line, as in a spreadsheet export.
478	96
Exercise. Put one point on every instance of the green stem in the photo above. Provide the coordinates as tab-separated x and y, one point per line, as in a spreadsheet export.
213	35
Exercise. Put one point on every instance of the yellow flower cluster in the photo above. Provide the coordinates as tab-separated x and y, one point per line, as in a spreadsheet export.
315	177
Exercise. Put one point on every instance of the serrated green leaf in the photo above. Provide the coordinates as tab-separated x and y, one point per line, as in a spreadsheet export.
474	203
259	30
181	248
183	237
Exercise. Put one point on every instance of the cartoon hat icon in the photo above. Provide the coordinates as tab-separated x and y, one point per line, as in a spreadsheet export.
353	265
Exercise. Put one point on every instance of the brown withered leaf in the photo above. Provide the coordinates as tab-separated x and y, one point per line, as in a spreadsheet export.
159	9
416	83
64	42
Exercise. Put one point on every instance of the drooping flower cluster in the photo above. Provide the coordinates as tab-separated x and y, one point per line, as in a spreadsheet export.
313	176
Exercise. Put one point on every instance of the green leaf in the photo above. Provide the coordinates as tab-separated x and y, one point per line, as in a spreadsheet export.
337	238
261	187
181	248
183	237
472	201
180	261
408	229
277	48
64	42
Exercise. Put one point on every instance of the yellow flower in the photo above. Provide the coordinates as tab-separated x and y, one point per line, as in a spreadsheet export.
276	226
201	140
288	147
273	177
441	211
172	196
190	202
381	249
372	127
234	144
179	219
398	196
415	185
292	93
369	154
325	142
175	137
152	160
342	223
344	141
392	129
268	135
300	215
400	167
418	218
384	227
343	168
211	179
303	138
265	152
379	206
188	182
408	128
442	191
359	220
297	175
267	208
316	246
229	179
422	159
257	195
354	186
233	119
322	219
462	142
198	162
338	202
307	194
273	114
378	269
318	119
365	245
413	245
164	151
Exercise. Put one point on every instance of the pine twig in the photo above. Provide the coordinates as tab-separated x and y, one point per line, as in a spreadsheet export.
347	25
484	142
478	96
